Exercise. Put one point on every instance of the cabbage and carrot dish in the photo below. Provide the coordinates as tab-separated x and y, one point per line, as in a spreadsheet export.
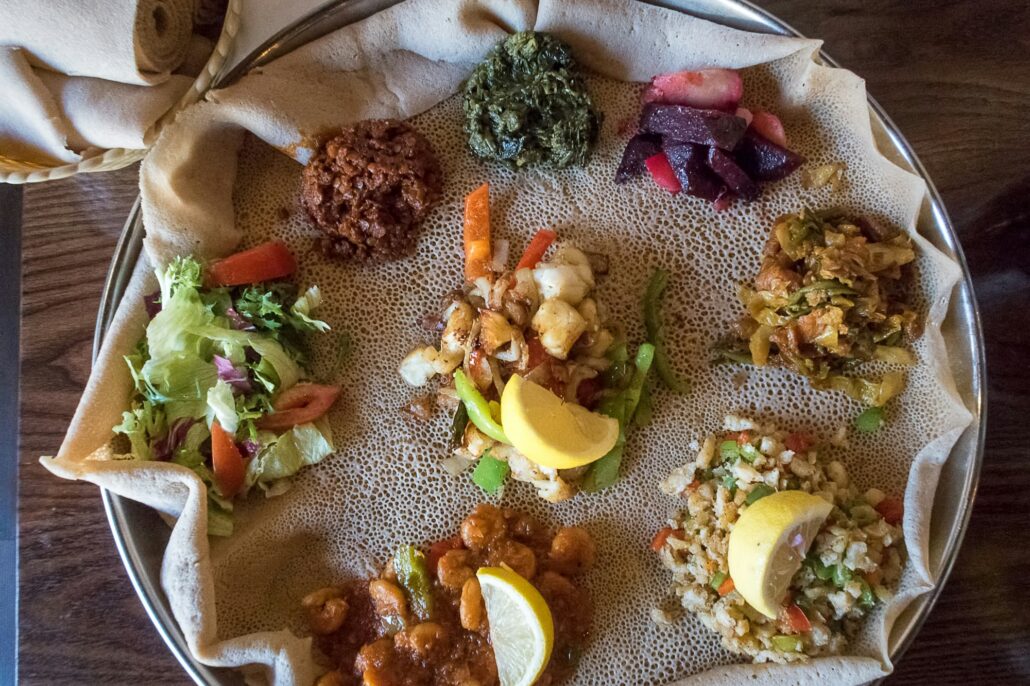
831	295
219	378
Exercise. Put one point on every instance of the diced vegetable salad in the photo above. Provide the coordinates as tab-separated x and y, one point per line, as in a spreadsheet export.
218	378
852	566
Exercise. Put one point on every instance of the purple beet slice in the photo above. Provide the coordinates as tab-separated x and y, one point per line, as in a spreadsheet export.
638	149
736	178
691	125
764	160
689	161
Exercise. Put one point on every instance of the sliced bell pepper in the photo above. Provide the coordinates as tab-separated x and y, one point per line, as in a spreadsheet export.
653	323
794	620
787	644
757	493
622	406
478	408
536	249
490	473
870	420
410	566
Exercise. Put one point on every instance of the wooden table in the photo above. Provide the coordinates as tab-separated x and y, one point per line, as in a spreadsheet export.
955	76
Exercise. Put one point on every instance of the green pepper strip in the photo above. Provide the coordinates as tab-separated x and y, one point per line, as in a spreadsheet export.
458	424
787	644
653	323
645	409
622	407
490	473
870	420
729	451
478	408
757	493
410	566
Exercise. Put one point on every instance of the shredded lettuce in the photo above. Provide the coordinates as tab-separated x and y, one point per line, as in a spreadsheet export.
301	311
283	456
221	406
139	424
219	520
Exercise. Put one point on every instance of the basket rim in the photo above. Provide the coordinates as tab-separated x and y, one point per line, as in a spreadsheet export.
18	172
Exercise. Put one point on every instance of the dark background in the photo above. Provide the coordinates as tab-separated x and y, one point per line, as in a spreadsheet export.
954	76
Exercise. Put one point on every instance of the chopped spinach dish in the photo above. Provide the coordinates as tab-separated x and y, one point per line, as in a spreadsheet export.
527	104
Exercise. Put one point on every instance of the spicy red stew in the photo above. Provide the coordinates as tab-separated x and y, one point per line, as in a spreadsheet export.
422	621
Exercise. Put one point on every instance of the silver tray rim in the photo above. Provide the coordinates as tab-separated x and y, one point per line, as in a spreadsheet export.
138	553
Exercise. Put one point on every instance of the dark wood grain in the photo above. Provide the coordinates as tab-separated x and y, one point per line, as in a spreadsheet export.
955	76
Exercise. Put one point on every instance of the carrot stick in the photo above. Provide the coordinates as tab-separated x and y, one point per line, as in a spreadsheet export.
536	249
477	233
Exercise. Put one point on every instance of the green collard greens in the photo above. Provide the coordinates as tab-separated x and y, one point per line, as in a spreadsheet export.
527	104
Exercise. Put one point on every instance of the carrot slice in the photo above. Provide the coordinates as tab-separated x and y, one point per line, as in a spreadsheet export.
536	249
477	233
228	463
662	536
726	587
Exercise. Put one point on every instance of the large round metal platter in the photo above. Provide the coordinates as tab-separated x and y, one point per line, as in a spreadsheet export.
140	535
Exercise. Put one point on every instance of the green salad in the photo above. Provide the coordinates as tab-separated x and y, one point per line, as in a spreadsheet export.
218	378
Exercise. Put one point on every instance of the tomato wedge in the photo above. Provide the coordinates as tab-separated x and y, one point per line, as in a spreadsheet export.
229	465
799	442
891	509
536	249
794	619
271	260
439	549
300	404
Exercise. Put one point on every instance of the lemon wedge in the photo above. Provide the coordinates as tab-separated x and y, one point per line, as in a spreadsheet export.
550	431
521	627
768	544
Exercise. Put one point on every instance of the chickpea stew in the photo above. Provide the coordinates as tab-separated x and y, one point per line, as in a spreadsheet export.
422	620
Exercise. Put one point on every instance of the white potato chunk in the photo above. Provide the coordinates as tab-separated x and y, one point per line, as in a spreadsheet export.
567	278
419	366
558	325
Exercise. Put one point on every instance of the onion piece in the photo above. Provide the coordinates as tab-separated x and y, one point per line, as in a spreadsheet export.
500	260
456	464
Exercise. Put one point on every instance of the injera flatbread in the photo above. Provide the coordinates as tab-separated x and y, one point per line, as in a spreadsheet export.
208	187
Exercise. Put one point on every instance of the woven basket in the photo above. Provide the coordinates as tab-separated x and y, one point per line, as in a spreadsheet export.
17	171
